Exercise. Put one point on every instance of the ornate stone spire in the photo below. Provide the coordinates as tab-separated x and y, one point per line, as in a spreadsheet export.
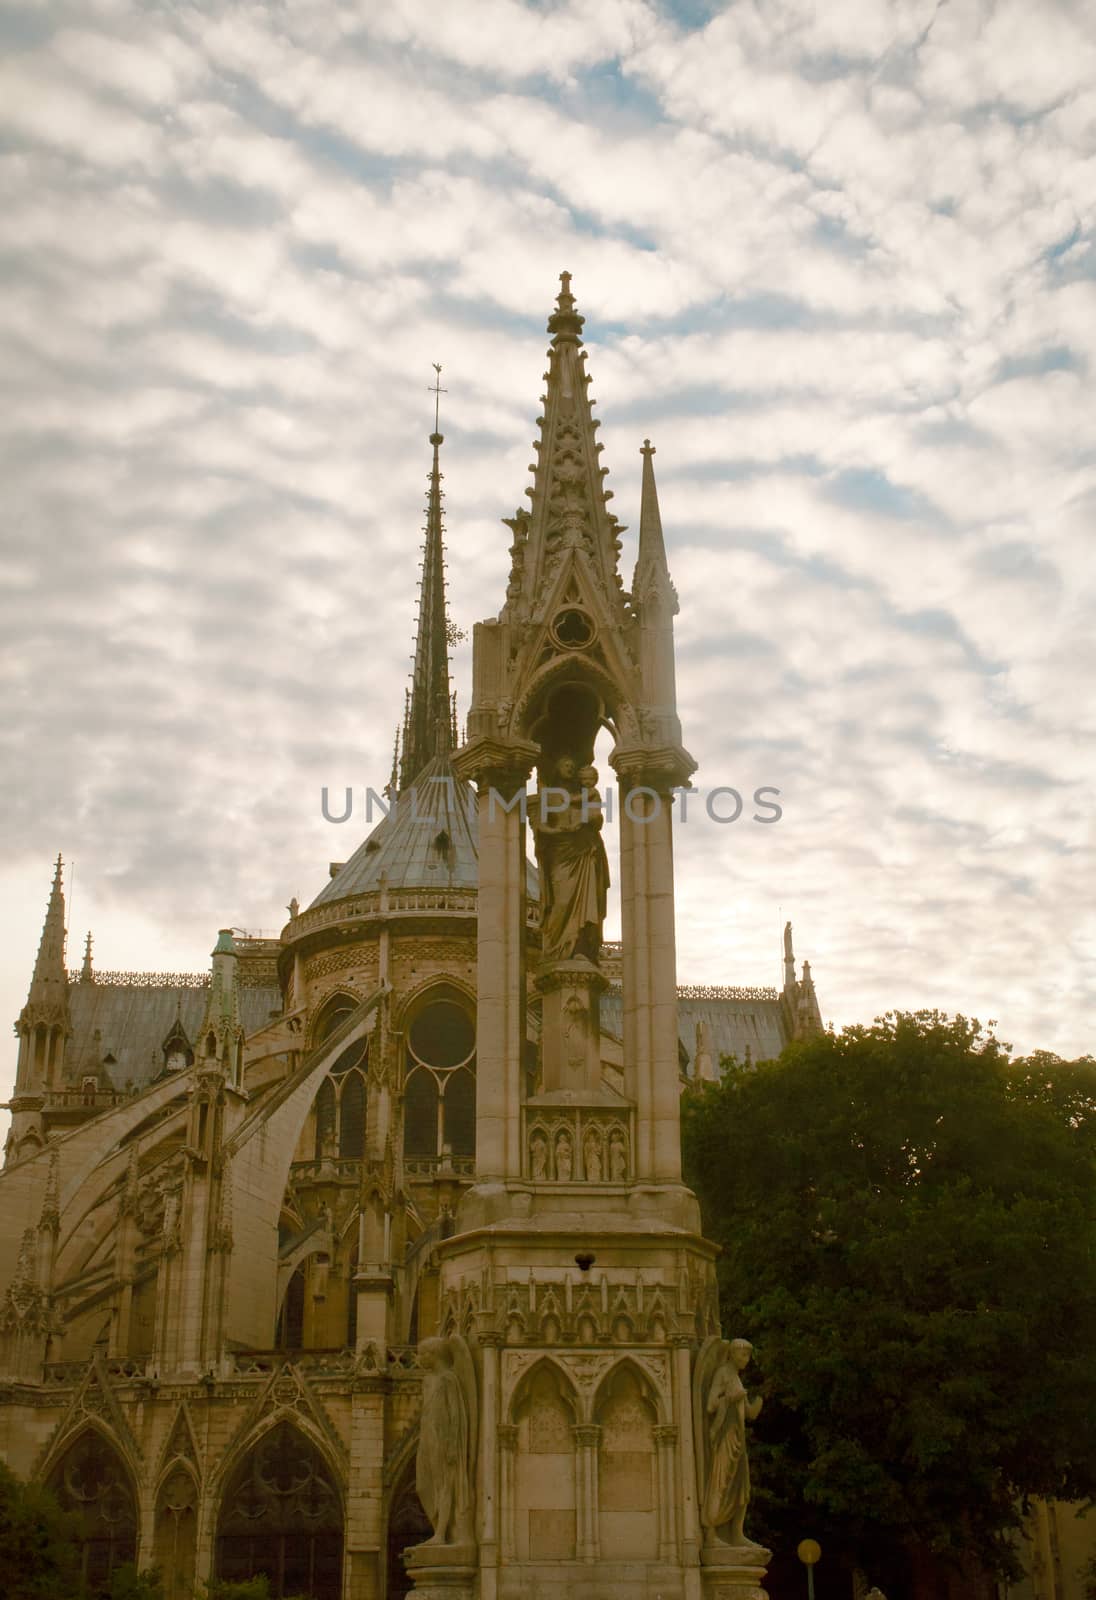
427	730
652	575
47	1007
569	505
86	973
221	1027
48	994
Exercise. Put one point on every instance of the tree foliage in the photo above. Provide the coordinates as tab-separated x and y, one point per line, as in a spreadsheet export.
907	1221
39	1556
126	1583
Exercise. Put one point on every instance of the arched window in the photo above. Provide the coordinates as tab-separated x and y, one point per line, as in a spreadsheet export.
176	1533
352	1117
91	1481
333	1013
290	1333
460	1113
407	1525
325	1119
282	1516
439	1108
420	1114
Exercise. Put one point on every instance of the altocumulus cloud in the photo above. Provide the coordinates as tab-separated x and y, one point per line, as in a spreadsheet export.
836	261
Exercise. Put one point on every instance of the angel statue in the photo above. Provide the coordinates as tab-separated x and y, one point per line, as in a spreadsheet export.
721	1409
447	1441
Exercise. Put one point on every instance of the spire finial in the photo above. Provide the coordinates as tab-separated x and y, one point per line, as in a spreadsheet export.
565	320
647	448
86	973
437	391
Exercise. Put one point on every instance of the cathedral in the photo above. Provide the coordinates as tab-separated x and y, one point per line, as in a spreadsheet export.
363	1259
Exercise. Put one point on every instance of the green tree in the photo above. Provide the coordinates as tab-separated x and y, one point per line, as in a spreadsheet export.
39	1558
126	1583
907	1221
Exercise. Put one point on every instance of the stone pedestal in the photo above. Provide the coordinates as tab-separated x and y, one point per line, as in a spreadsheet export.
442	1571
734	1572
571	1030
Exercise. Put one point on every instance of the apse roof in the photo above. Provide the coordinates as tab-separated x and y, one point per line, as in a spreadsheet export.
428	840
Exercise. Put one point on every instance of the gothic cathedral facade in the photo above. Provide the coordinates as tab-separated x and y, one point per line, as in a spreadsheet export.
364	1259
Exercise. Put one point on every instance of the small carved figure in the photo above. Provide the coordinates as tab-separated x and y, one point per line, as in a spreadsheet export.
618	1157
591	1156
538	1156
726	1410
564	1155
443	1466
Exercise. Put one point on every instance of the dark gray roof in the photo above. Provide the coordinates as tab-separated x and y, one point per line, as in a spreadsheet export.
427	841
734	1024
134	1019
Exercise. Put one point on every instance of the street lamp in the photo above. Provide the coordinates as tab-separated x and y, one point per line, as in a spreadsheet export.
809	1551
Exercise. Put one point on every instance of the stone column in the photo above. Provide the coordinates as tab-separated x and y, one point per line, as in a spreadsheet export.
649	964
686	1452
588	1531
507	1436
501	772
365	1502
487	1470
665	1440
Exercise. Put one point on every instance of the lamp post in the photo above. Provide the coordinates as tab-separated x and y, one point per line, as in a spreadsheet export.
809	1551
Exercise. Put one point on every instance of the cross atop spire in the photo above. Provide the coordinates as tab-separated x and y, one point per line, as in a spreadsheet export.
437	391
427	729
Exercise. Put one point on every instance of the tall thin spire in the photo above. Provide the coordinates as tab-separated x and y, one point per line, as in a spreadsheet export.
428	723
652	574
48	996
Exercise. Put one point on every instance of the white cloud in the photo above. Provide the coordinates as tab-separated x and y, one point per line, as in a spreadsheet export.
836	261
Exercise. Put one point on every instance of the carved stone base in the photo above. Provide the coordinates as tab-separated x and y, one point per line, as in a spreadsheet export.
442	1571
734	1572
570	1035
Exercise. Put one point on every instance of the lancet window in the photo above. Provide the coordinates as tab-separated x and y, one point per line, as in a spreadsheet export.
439	1110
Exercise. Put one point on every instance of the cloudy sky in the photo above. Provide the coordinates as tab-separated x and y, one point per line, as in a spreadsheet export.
836	260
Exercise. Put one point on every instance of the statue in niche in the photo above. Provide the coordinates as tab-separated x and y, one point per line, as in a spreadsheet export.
618	1157
574	868
445	1464
538	1156
564	1155
721	1409
591	1156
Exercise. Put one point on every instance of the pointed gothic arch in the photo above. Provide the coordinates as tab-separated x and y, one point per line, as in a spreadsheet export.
175	1529
437	1029
627	1410
541	1489
334	1011
407	1525
281	1513
91	1478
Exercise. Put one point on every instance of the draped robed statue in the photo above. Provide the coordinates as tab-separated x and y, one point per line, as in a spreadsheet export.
722	1408
445	1464
574	868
